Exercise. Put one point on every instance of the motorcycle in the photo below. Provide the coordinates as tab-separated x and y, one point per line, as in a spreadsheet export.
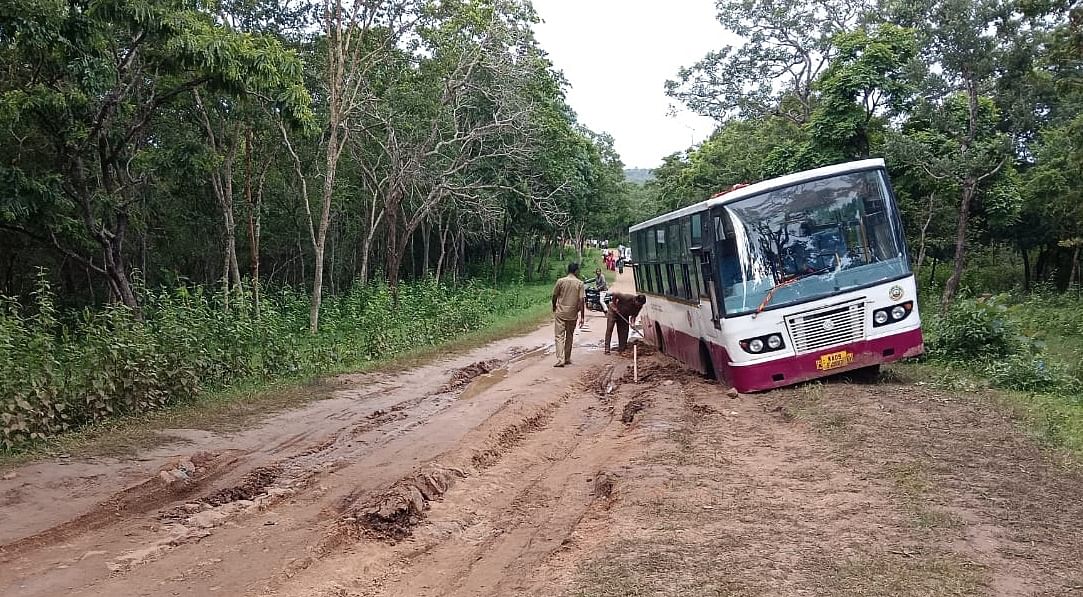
597	300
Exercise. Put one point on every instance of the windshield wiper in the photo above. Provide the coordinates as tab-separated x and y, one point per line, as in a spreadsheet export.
793	280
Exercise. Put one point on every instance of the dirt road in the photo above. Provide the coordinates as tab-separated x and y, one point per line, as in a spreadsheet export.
492	473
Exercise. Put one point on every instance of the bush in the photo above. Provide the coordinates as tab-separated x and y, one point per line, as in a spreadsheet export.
62	371
972	330
1029	373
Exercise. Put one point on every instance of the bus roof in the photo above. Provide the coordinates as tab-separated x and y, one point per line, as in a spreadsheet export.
761	187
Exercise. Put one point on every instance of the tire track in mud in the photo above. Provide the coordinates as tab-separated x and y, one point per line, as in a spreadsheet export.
524	492
198	471
193	519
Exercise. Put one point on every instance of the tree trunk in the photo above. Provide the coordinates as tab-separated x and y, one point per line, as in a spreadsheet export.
547	250
1040	264
1073	277
334	148
528	258
460	267
1026	269
443	229
254	200
951	287
924	230
426	230
115	267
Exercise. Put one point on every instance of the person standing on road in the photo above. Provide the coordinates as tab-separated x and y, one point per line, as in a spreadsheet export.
623	309
569	302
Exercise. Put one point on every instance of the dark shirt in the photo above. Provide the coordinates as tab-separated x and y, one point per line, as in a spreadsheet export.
625	304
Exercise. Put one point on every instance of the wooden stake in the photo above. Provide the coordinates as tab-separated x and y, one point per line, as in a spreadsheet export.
635	362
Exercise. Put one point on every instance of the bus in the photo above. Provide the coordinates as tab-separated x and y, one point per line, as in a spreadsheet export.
782	281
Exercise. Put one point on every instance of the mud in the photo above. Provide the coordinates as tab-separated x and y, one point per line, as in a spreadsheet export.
634	406
464	375
392	514
251	486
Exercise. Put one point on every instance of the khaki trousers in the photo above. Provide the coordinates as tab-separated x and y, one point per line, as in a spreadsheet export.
564	331
614	319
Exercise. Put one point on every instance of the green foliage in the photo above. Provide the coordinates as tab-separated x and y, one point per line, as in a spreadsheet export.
973	329
1016	344
60	372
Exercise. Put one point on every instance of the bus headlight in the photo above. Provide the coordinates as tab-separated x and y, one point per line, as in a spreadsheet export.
767	343
892	314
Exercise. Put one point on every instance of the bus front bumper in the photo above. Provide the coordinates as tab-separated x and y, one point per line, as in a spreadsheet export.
837	359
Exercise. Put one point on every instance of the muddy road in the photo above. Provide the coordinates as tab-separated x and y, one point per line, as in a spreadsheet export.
493	473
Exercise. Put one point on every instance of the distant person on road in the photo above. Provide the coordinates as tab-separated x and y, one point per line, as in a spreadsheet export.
569	303
623	309
599	280
620	259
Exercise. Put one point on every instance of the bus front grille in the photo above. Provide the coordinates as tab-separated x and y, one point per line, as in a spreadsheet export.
833	326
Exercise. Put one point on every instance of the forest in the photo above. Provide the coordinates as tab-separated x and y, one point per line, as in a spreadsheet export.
195	194
975	105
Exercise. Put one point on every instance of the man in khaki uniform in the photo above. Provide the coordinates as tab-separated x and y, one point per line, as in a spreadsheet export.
569	303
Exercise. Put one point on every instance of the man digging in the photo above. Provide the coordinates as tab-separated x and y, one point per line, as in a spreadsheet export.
623	309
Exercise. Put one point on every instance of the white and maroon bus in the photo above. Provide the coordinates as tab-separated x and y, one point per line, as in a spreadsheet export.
782	281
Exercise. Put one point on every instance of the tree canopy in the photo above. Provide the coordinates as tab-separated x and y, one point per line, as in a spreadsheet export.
974	105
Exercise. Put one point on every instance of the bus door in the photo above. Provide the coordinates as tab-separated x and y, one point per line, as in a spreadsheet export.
705	250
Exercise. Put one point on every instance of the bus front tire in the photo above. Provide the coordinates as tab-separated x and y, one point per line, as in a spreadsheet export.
864	375
706	361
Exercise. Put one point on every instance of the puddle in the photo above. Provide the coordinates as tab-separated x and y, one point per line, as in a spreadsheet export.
483	382
533	352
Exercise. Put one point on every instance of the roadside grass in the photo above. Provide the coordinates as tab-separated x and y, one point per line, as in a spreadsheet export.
245	403
1025	352
902	574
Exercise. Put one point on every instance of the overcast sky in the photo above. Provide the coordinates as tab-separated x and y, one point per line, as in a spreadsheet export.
617	55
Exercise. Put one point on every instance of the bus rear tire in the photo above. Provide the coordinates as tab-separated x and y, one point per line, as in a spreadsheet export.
659	339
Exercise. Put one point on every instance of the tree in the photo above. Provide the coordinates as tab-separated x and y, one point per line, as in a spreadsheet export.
87	84
863	83
787	46
963	40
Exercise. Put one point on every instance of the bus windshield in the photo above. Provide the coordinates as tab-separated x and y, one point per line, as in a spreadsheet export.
809	241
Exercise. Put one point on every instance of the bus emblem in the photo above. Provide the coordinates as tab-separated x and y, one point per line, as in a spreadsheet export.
895	293
829	325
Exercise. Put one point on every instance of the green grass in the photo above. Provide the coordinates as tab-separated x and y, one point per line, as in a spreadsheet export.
1025	351
245	404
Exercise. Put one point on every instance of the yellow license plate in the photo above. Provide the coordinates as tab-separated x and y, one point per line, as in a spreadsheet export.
834	360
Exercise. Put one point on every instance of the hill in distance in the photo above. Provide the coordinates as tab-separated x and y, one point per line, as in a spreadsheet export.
638	175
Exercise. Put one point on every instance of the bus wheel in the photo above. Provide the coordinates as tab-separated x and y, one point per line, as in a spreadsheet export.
864	375
707	361
659	339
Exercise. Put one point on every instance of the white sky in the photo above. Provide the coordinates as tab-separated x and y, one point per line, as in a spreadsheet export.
617	55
